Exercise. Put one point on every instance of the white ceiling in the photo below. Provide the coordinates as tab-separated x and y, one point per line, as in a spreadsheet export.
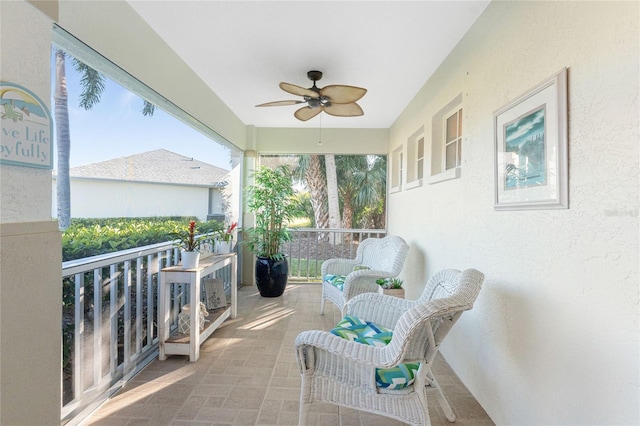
243	49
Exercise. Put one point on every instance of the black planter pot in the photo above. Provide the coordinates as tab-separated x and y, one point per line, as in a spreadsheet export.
271	276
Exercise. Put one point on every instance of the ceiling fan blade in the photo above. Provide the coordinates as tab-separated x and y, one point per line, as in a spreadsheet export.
340	94
280	103
305	113
344	110
297	90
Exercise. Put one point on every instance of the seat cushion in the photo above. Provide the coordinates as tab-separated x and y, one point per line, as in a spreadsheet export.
368	333
335	280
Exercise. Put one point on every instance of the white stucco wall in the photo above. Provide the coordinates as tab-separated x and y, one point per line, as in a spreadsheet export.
30	245
553	338
25	191
91	198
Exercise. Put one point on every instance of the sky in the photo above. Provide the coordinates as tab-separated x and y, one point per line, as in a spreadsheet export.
115	127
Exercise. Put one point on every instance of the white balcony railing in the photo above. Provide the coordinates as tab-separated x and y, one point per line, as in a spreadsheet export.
109	328
309	247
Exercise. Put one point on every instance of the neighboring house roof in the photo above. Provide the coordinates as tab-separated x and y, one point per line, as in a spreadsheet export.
159	166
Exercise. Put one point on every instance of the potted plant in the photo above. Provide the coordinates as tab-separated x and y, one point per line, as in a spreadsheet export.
270	199
189	243
225	238
391	286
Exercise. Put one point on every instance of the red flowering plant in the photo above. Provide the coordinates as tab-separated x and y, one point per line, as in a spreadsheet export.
228	234
187	239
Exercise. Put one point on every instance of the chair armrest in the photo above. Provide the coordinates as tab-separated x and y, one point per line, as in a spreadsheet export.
337	266
378	308
324	341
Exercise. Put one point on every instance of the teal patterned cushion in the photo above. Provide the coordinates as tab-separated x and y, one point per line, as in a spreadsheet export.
335	280
368	333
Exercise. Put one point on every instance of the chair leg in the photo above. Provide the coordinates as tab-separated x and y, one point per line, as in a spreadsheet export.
304	409
442	399
322	300
304	397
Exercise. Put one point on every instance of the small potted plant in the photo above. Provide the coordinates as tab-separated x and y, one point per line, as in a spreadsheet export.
189	243
225	239
391	286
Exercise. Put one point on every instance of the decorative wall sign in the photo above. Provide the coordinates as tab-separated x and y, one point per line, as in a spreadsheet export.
531	148
25	138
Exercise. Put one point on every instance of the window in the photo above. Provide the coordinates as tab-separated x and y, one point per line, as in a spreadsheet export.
396	170
446	145
453	140
415	159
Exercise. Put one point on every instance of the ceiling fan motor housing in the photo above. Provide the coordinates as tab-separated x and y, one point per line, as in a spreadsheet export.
314	75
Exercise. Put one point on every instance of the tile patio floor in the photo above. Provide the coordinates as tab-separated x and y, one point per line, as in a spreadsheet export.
247	375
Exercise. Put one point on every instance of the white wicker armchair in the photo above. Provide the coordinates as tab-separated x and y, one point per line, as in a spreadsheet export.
381	258
342	372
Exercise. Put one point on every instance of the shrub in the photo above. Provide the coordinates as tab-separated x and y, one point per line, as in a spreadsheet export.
91	237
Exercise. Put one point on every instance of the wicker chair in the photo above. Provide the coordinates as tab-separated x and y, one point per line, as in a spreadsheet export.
343	372
375	258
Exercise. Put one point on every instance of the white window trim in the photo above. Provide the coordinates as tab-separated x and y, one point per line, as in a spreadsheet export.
446	175
396	169
412	159
438	135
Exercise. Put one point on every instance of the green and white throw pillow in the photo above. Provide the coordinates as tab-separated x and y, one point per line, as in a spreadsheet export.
368	333
335	280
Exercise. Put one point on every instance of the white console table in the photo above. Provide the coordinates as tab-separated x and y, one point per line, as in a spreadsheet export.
181	344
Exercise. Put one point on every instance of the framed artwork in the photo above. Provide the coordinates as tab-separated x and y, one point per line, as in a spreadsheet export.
531	162
26	128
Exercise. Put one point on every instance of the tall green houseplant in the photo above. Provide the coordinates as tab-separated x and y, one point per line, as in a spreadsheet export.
271	200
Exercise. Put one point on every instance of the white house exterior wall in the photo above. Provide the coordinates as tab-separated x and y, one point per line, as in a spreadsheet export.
93	198
553	337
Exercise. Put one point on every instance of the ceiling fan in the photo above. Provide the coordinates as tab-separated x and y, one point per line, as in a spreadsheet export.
337	100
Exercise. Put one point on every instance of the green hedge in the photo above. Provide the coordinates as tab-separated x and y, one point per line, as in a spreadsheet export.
91	237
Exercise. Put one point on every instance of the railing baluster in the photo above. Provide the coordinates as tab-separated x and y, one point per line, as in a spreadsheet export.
139	271
113	315
97	326
150	269
127	315
78	335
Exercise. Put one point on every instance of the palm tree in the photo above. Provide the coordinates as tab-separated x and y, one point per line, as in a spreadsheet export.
361	183
93	84
63	141
310	170
333	198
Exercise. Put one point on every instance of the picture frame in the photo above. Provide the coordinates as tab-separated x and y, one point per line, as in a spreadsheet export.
531	161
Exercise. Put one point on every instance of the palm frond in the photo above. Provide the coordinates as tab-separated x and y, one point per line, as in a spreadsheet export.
92	82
